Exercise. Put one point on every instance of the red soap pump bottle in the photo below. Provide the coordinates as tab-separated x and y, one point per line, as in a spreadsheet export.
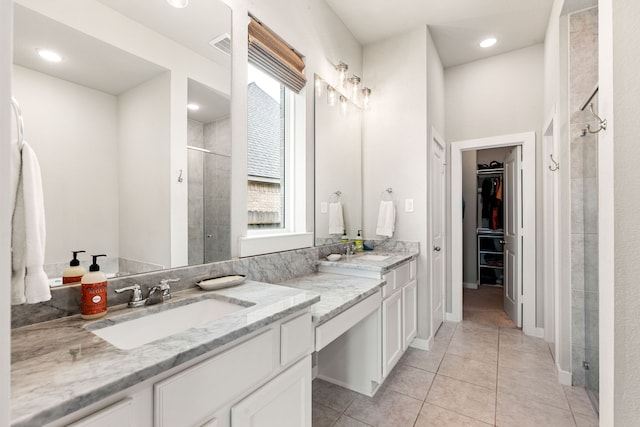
93	300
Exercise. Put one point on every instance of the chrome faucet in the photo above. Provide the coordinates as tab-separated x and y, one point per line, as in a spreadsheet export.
136	295
161	292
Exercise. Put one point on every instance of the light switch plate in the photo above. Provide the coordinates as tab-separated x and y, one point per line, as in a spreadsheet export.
323	207
408	205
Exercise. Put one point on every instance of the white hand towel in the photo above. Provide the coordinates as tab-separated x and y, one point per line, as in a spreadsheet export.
336	219
386	218
29	282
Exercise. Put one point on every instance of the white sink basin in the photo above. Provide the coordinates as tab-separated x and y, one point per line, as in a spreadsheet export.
142	330
370	257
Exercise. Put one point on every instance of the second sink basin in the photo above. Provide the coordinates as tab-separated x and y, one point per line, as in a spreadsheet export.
371	257
142	330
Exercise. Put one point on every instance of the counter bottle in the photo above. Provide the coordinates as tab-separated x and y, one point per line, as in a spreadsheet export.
93	299
359	242
73	273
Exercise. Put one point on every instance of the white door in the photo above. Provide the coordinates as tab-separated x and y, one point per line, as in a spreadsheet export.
512	239
437	207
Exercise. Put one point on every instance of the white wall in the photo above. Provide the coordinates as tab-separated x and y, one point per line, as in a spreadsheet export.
497	96
144	117
6	117
66	124
626	157
395	144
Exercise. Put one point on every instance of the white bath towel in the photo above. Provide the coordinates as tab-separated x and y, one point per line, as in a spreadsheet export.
386	218
29	282
336	218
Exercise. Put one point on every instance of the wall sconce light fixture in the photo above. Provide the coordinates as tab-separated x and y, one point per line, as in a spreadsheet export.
342	72
343	105
354	81
366	93
331	95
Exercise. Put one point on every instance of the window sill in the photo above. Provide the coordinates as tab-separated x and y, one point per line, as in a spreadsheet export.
269	243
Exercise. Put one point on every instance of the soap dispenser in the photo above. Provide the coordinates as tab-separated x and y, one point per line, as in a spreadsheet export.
359	242
73	273
344	238
93	300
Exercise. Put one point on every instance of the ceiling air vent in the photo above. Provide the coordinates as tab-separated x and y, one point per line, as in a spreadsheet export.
222	43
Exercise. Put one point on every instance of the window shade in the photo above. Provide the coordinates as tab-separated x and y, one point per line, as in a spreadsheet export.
271	54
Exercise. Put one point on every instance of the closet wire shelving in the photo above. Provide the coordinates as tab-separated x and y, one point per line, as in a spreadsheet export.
490	250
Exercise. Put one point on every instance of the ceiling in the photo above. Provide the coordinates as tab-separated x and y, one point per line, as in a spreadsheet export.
457	26
93	63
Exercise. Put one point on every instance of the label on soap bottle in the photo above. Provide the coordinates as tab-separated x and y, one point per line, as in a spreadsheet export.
94	298
71	279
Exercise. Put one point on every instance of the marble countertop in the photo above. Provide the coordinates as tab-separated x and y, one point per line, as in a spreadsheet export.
359	261
59	367
337	292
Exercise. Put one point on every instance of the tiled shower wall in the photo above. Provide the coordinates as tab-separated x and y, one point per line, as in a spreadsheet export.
209	191
583	78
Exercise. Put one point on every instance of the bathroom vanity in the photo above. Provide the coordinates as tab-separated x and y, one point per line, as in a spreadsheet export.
235	371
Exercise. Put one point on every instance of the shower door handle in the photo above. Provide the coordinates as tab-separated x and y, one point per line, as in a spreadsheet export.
436	248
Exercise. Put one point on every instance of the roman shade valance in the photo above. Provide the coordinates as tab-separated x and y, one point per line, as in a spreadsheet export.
268	52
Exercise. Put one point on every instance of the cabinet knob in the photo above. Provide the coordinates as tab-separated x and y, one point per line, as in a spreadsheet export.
502	242
436	248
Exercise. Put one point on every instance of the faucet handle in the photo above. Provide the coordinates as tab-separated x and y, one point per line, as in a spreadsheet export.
164	283
136	295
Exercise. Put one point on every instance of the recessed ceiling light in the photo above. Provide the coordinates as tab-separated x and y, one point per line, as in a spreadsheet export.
178	3
49	55
488	42
193	107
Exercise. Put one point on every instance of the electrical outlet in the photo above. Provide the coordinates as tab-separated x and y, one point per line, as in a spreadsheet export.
323	207
408	205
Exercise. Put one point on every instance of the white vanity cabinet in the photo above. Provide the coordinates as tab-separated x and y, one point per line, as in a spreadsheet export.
399	314
264	380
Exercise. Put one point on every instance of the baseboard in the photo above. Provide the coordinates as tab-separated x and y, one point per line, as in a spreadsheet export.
537	332
564	377
470	285
450	317
422	344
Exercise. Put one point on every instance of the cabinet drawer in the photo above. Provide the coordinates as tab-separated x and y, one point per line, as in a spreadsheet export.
190	397
118	414
296	337
403	275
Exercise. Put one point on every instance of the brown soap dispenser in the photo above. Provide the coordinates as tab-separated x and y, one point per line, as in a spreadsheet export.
73	273
93	300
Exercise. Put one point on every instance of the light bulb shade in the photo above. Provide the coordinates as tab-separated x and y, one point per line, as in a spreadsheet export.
355	87
331	96
343	105
342	72
366	94
319	85
178	3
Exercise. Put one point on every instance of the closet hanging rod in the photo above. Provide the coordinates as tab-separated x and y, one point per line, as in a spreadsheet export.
19	121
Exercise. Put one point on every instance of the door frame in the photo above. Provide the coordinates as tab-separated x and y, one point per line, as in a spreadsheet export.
436	138
528	233
551	233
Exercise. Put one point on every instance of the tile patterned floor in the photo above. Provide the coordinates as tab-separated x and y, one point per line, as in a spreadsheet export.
476	374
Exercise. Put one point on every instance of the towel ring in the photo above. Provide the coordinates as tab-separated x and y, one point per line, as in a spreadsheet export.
387	195
19	121
335	197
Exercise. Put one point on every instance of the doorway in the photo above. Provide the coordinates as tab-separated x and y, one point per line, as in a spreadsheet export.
484	256
526	233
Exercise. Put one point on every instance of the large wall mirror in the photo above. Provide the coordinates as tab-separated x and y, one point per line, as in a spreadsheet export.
338	151
128	170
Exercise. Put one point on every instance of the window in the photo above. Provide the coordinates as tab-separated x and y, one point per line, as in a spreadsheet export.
275	129
271	114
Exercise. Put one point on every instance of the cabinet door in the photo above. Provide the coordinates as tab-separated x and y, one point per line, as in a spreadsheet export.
409	313
284	401
391	331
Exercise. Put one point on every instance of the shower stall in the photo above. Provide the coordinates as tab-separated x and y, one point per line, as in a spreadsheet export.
209	183
584	128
